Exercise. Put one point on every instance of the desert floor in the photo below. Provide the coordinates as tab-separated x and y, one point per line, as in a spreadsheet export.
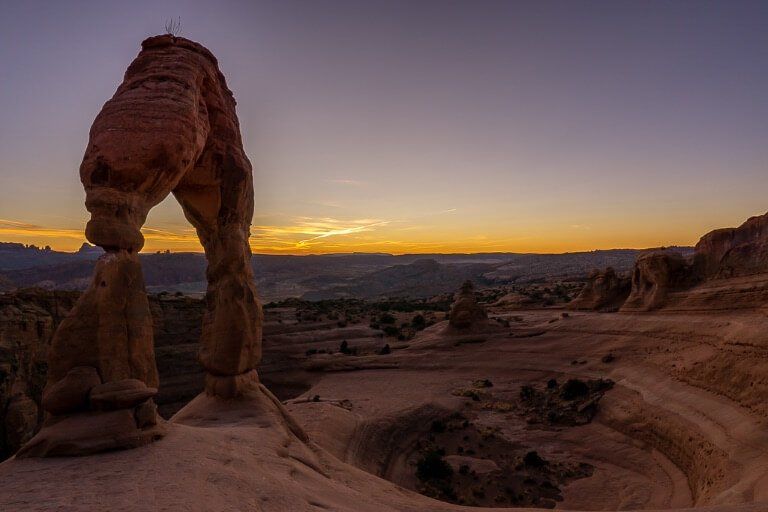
683	427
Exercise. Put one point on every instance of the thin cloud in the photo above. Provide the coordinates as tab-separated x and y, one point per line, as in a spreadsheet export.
303	231
352	183
17	228
343	231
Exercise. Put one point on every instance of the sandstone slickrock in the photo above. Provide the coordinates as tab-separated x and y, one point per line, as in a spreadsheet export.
604	291
466	314
171	127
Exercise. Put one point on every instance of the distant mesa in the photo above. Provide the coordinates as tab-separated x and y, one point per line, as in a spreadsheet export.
605	291
87	248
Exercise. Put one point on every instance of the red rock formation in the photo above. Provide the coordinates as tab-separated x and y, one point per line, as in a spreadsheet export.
466	314
656	274
729	270
733	252
605	291
171	127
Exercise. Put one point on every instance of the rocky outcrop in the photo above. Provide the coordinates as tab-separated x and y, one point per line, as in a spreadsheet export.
656	274
728	271
171	127
466	314
604	291
733	252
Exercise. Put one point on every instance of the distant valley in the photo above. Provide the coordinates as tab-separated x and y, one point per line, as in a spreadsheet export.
317	277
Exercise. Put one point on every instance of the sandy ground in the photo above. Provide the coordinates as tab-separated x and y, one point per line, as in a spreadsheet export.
684	427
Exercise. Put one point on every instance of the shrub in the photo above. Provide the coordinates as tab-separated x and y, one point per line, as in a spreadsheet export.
438	426
432	466
574	389
533	460
482	383
527	393
386	318
391	330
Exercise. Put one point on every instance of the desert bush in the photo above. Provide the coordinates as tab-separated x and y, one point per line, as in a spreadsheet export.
386	318
391	330
533	460
431	466
574	389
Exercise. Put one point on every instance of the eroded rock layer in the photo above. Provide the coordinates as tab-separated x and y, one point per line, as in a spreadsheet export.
728	270
733	252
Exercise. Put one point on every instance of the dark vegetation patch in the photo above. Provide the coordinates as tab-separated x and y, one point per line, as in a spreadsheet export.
461	462
574	402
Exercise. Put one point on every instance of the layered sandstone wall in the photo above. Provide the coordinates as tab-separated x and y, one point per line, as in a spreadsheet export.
728	271
733	252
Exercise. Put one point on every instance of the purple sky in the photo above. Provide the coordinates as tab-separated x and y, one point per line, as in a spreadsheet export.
419	126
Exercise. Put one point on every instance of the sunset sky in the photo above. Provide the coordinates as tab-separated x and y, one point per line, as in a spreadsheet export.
418	126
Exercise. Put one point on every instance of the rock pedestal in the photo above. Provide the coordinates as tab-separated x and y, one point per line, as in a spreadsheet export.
466	314
171	127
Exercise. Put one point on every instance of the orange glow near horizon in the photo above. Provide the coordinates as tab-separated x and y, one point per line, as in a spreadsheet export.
419	127
328	236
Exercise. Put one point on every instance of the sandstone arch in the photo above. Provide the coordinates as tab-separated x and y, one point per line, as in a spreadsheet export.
171	127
